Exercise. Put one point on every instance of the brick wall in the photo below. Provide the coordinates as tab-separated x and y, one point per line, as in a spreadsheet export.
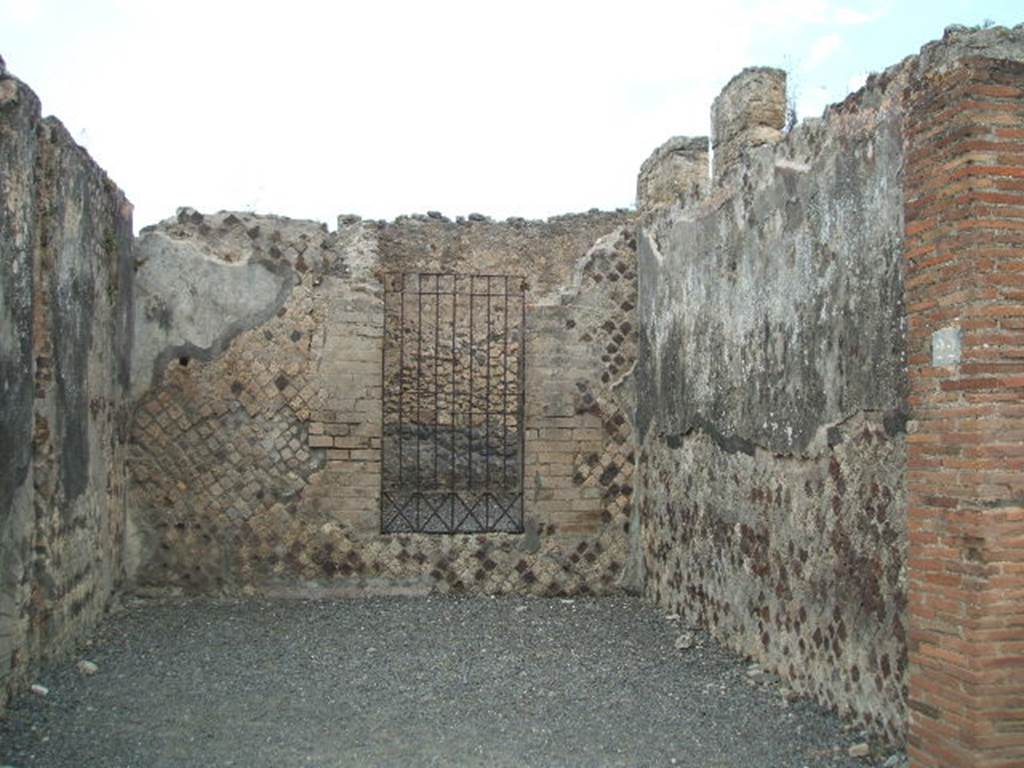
964	255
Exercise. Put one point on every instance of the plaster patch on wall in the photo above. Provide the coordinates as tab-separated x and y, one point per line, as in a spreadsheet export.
946	347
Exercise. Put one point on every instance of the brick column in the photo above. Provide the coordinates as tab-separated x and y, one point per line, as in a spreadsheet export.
964	250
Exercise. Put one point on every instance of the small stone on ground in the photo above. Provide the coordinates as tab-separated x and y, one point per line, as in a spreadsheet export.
860	750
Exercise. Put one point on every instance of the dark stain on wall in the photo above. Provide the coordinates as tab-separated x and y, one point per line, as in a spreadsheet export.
19	109
68	260
66	283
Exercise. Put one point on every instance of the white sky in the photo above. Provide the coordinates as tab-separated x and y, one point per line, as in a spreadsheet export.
382	107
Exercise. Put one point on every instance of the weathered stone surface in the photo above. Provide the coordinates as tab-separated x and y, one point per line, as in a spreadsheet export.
677	172
66	290
779	559
960	42
749	112
19	116
257	465
780	311
772	403
772	388
215	297
546	252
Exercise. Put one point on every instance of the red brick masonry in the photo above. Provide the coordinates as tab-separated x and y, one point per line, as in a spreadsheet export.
964	206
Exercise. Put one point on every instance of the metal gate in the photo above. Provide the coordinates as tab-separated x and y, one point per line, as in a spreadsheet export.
453	397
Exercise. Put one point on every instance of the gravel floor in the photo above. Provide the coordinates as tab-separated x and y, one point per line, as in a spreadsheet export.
413	681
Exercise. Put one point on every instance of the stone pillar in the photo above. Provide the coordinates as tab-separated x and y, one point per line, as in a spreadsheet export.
964	250
677	171
749	112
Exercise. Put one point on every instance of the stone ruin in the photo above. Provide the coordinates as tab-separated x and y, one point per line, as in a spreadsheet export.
782	398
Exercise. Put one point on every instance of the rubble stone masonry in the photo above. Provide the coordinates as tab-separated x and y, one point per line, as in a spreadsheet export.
774	395
772	406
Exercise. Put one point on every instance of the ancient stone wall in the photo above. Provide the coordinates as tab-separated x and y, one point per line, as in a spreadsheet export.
65	337
259	428
772	398
773	390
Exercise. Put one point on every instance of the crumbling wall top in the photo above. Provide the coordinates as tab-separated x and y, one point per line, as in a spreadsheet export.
750	111
677	171
960	42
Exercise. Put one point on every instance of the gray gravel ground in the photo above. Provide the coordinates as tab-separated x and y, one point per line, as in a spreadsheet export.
411	681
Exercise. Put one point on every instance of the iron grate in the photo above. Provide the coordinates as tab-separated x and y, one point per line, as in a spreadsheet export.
453	403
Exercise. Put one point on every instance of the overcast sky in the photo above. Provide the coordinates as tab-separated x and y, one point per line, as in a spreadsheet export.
379	108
